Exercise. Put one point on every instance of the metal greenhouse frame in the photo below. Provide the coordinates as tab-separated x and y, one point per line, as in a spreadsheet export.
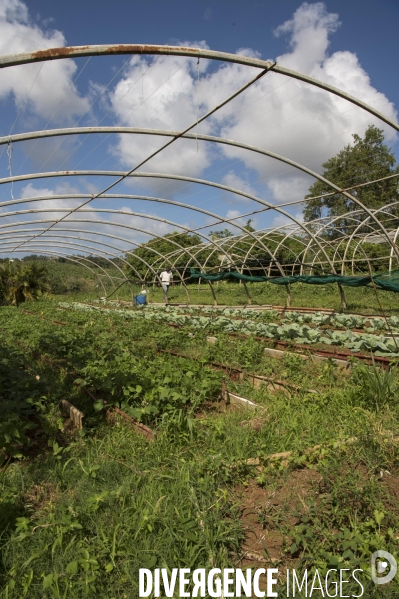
50	234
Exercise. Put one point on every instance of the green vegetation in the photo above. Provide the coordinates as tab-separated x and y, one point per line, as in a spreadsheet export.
62	276
151	254
75	280
244	322
234	294
366	160
82	511
21	282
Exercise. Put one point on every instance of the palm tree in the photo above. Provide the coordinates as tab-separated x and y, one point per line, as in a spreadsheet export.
20	283
3	284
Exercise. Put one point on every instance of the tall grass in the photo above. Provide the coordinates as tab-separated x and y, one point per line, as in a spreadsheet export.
81	515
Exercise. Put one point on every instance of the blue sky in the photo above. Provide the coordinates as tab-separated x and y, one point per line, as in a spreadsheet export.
368	27
353	45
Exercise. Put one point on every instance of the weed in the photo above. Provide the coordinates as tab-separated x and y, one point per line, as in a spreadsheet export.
376	387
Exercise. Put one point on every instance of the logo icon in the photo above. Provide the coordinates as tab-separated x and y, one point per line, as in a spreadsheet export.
380	560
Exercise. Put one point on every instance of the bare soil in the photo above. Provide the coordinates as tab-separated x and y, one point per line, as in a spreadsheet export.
264	511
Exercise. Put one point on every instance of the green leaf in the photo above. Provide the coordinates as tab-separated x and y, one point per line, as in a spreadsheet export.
48	581
72	567
81	382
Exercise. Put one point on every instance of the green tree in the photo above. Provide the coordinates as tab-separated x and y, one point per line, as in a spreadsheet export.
222	234
156	253
248	225
367	159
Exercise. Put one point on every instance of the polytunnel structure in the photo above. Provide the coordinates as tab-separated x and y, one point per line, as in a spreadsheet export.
85	213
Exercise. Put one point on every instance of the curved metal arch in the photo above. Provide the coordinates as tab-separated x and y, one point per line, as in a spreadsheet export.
34	238
333	244
65	244
237	238
315	239
288	235
102	234
355	249
118	196
75	260
95	222
96	252
327	223
250	196
212	252
364	222
87	259
344	239
99	253
112	223
270	155
125	196
81	51
268	233
395	237
376	211
232	242
292	233
54	235
83	239
89	221
187	206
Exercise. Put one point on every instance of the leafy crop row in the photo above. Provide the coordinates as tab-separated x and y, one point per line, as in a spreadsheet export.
374	324
302	334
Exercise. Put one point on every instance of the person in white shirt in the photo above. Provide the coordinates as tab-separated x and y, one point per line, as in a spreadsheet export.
166	279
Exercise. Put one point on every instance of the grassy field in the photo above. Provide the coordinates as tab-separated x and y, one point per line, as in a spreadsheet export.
82	510
76	281
362	300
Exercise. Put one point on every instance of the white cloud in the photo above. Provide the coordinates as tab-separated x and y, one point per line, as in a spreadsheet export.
30	191
162	96
283	115
236	182
300	121
289	189
232	214
280	114
310	28
52	208
282	221
54	79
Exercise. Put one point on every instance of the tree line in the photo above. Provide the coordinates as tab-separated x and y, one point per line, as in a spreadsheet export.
366	160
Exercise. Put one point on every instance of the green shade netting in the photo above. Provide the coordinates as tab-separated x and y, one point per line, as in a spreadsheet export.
385	281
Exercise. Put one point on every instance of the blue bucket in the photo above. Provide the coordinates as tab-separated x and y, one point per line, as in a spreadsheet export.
139	300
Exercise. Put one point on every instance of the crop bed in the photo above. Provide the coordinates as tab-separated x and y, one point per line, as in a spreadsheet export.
291	327
82	510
